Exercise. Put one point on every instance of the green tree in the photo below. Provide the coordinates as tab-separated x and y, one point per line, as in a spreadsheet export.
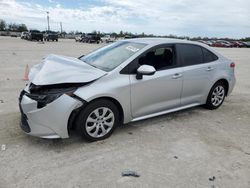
22	27
12	27
121	34
2	25
247	39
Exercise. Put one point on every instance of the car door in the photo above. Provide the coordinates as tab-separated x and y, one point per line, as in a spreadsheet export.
197	74
158	92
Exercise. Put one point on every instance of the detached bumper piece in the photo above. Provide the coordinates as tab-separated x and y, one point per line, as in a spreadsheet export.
23	123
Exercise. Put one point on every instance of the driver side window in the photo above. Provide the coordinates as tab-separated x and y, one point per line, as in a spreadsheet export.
160	58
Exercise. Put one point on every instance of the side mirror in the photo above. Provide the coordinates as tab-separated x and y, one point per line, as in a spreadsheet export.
145	70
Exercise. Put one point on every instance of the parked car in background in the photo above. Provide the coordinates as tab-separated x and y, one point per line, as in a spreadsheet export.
107	38
227	44
13	35
238	44
35	35
222	43
51	36
130	36
91	38
209	43
78	38
24	35
126	81
247	44
212	42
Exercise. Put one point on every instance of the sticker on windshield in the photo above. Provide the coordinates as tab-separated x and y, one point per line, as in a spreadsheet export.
132	48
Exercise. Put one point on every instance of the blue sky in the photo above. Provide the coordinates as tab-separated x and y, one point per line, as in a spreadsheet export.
213	18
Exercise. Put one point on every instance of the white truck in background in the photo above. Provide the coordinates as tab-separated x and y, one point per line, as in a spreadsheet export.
108	38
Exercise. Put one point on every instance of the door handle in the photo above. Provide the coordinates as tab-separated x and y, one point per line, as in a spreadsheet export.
209	69
176	76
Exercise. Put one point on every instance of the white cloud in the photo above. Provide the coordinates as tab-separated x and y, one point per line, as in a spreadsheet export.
181	17
192	17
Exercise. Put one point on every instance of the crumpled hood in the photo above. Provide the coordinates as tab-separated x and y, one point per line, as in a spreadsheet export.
56	69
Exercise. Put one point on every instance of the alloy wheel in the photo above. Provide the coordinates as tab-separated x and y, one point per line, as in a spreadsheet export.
99	122
218	95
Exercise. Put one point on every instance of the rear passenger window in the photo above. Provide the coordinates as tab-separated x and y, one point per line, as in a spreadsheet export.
208	56
191	54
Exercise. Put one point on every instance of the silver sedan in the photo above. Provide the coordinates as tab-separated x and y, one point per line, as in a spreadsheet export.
126	81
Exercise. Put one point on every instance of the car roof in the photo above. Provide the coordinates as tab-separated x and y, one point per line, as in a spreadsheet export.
158	41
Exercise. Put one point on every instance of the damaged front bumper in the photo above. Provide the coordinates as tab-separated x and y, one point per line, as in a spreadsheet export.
50	121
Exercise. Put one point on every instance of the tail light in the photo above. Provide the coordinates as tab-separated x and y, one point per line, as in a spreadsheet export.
232	65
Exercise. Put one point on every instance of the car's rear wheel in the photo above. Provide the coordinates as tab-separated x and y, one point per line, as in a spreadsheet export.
216	96
98	120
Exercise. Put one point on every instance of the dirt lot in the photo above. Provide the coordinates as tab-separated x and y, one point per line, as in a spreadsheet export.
182	149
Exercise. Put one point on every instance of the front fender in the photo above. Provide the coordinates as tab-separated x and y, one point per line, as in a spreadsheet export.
117	88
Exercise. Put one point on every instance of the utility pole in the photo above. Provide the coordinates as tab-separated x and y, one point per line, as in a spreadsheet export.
48	19
61	26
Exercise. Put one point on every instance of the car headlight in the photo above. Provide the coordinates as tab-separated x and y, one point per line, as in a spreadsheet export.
46	96
47	99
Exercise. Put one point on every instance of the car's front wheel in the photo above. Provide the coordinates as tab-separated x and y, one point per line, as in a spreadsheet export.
216	96
98	120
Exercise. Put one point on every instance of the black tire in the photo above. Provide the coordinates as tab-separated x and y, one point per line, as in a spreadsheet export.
88	110
209	104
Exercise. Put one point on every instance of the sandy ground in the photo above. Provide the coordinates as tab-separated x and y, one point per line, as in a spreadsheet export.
182	149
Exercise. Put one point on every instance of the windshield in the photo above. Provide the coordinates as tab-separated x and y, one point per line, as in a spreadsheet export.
109	57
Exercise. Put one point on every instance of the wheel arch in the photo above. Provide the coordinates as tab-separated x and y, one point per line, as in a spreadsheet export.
116	102
74	114
224	81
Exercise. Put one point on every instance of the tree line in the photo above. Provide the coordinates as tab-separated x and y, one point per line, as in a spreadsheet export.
22	27
12	26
